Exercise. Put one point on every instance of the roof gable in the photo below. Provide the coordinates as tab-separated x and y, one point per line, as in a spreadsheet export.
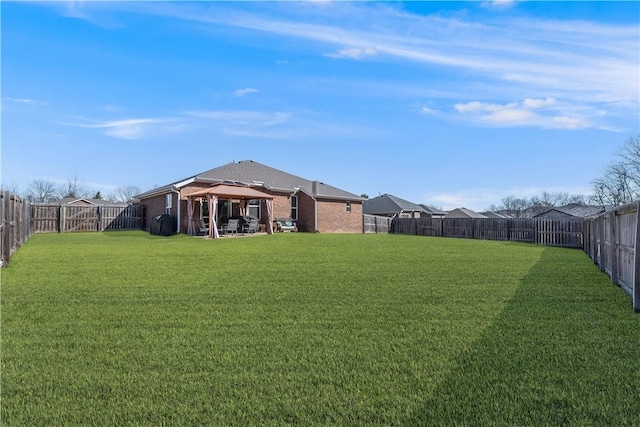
573	209
386	204
464	213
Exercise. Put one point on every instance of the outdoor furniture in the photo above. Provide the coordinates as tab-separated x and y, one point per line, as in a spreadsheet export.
232	227
250	227
285	224
202	228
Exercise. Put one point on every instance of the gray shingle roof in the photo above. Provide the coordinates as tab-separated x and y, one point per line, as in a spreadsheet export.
573	209
464	213
432	210
387	204
254	173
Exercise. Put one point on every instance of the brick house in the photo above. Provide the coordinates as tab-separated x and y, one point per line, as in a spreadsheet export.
313	205
572	210
392	206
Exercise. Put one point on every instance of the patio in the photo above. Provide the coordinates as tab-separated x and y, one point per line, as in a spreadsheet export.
241	194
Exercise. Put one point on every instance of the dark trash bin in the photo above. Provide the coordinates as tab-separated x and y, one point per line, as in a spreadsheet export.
163	225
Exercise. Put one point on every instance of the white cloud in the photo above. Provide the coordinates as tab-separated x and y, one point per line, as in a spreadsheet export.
242	117
353	53
583	63
26	101
544	113
428	111
245	91
131	128
498	4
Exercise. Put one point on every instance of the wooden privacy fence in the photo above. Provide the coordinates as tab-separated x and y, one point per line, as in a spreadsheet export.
375	224
62	219
565	232
15	224
612	240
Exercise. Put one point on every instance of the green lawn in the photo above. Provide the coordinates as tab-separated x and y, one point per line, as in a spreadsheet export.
124	328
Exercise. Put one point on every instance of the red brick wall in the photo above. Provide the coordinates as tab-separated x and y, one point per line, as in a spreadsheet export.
334	218
306	213
156	206
332	214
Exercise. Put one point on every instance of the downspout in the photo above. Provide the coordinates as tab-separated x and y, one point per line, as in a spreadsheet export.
314	189
178	209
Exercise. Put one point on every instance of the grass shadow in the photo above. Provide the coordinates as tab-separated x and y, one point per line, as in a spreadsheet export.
564	351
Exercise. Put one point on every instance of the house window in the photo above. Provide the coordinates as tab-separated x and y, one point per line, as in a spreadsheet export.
168	203
254	208
294	207
348	206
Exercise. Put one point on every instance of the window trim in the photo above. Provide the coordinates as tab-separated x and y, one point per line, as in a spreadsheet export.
294	207
168	203
257	205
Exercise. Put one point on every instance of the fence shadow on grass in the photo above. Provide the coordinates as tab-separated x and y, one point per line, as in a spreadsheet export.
563	351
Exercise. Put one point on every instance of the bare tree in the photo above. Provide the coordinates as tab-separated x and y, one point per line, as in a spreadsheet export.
11	188
73	188
41	190
126	193
515	206
521	207
620	183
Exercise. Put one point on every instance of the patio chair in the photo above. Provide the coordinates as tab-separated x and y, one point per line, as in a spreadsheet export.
285	224
232	227
250	227
201	228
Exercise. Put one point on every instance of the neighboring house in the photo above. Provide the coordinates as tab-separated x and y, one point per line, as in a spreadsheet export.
392	206
464	213
492	214
572	210
433	212
313	205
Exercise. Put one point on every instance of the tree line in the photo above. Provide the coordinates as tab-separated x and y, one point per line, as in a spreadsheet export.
45	191
618	185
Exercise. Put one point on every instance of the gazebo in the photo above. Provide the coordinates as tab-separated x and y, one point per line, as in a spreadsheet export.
224	191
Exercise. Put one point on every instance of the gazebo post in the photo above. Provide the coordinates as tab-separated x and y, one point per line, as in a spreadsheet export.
190	227
269	203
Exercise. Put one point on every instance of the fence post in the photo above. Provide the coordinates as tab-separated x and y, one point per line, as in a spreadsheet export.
613	249
61	214
6	242
635	294
594	240
601	245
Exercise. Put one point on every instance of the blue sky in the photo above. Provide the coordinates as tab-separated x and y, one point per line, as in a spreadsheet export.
445	103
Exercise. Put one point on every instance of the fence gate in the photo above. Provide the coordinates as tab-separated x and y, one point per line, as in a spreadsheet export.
375	224
79	218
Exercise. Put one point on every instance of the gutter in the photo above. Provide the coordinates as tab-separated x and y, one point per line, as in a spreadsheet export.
314	188
178	209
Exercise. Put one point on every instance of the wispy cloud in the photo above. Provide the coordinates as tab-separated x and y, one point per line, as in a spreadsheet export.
353	53
245	91
490	61
136	128
242	117
498	4
530	112
247	123
26	101
513	58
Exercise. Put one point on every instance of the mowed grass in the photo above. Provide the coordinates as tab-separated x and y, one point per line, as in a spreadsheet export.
124	328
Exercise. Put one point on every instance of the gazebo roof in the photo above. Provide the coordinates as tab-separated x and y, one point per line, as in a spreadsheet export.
232	192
